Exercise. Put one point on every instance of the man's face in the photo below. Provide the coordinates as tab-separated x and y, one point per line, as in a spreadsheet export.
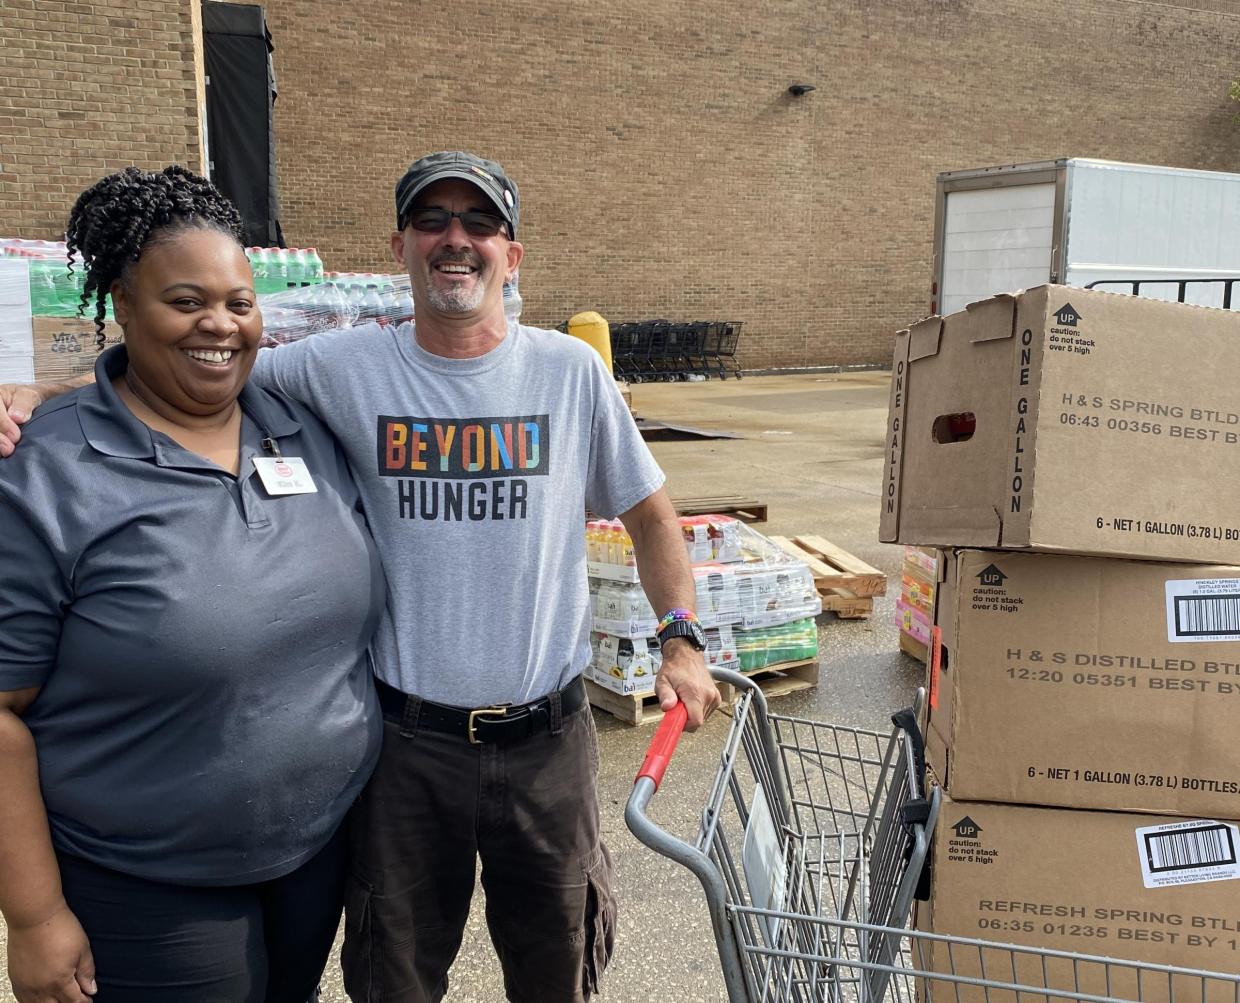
454	273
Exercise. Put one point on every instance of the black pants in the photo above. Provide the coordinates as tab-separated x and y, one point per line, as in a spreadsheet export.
529	811
261	943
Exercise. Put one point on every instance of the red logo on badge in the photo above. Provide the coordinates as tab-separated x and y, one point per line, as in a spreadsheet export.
284	470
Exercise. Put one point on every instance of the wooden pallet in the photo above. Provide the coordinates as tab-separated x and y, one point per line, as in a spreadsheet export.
911	646
782	678
639	709
846	605
745	509
847	584
631	708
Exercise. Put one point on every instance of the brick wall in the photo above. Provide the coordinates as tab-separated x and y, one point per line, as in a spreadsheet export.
87	88
666	172
664	168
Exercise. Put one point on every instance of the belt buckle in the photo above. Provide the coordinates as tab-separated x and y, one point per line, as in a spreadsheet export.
499	711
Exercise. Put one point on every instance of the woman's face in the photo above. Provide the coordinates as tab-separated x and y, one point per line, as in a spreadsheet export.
191	321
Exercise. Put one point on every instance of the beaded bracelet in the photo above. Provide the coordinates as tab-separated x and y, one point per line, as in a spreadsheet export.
671	616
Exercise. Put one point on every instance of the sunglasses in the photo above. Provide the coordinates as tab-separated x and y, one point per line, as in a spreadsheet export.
477	223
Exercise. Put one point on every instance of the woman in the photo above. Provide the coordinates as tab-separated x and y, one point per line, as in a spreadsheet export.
188	589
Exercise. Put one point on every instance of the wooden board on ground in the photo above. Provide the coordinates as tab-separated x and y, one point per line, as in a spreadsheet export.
845	604
745	509
911	646
846	583
642	708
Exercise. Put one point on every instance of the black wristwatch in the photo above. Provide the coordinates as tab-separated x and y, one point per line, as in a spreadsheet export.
690	630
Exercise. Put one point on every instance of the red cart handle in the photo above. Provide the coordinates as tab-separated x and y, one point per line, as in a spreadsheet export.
663	745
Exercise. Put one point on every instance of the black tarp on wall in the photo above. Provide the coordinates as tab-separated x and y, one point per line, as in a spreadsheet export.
240	134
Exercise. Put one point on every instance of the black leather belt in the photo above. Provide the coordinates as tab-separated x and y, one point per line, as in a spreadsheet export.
482	725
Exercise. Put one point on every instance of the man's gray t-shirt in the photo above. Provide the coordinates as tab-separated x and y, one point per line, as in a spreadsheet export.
475	475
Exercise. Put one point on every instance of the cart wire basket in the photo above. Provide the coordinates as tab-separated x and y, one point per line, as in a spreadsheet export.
813	846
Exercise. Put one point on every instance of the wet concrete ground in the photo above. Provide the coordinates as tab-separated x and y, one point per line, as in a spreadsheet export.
811	447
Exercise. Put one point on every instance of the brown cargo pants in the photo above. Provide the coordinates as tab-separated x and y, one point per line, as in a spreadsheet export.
529	809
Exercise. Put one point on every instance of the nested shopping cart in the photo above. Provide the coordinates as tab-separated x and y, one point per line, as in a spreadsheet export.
812	847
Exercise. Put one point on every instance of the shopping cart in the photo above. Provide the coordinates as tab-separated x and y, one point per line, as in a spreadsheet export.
812	847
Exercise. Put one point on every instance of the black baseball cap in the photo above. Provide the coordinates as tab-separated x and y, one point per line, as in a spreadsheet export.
486	175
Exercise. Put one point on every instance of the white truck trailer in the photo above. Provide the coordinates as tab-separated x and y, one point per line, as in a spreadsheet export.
1077	221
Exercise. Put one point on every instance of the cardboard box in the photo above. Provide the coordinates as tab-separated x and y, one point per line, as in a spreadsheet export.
1098	883
629	664
1088	682
917	594
922	563
66	346
1065	419
913	621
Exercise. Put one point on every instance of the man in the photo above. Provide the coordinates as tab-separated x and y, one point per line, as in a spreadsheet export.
478	446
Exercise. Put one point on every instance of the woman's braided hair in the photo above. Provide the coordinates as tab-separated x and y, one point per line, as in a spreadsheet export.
116	218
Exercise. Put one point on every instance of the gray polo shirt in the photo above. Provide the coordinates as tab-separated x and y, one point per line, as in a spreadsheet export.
206	712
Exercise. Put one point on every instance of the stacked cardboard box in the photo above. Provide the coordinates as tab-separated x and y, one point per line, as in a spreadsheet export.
1080	706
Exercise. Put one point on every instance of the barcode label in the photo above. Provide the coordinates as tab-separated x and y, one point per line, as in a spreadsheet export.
1213	615
1175	851
1205	609
1184	853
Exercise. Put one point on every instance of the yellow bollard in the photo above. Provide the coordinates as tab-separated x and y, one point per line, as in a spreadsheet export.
591	328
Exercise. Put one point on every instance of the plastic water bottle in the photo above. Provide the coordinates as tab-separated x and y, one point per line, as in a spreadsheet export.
314	265
76	284
51	286
372	304
41	299
260	265
404	306
512	299
281	268
65	284
298	267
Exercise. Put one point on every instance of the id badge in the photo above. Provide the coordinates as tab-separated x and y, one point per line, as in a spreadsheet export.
284	475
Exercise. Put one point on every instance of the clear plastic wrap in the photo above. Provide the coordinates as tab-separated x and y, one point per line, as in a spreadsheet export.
16	336
767	586
629	664
56	283
297	313
762	593
621	608
342	300
763	647
771	597
709	539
